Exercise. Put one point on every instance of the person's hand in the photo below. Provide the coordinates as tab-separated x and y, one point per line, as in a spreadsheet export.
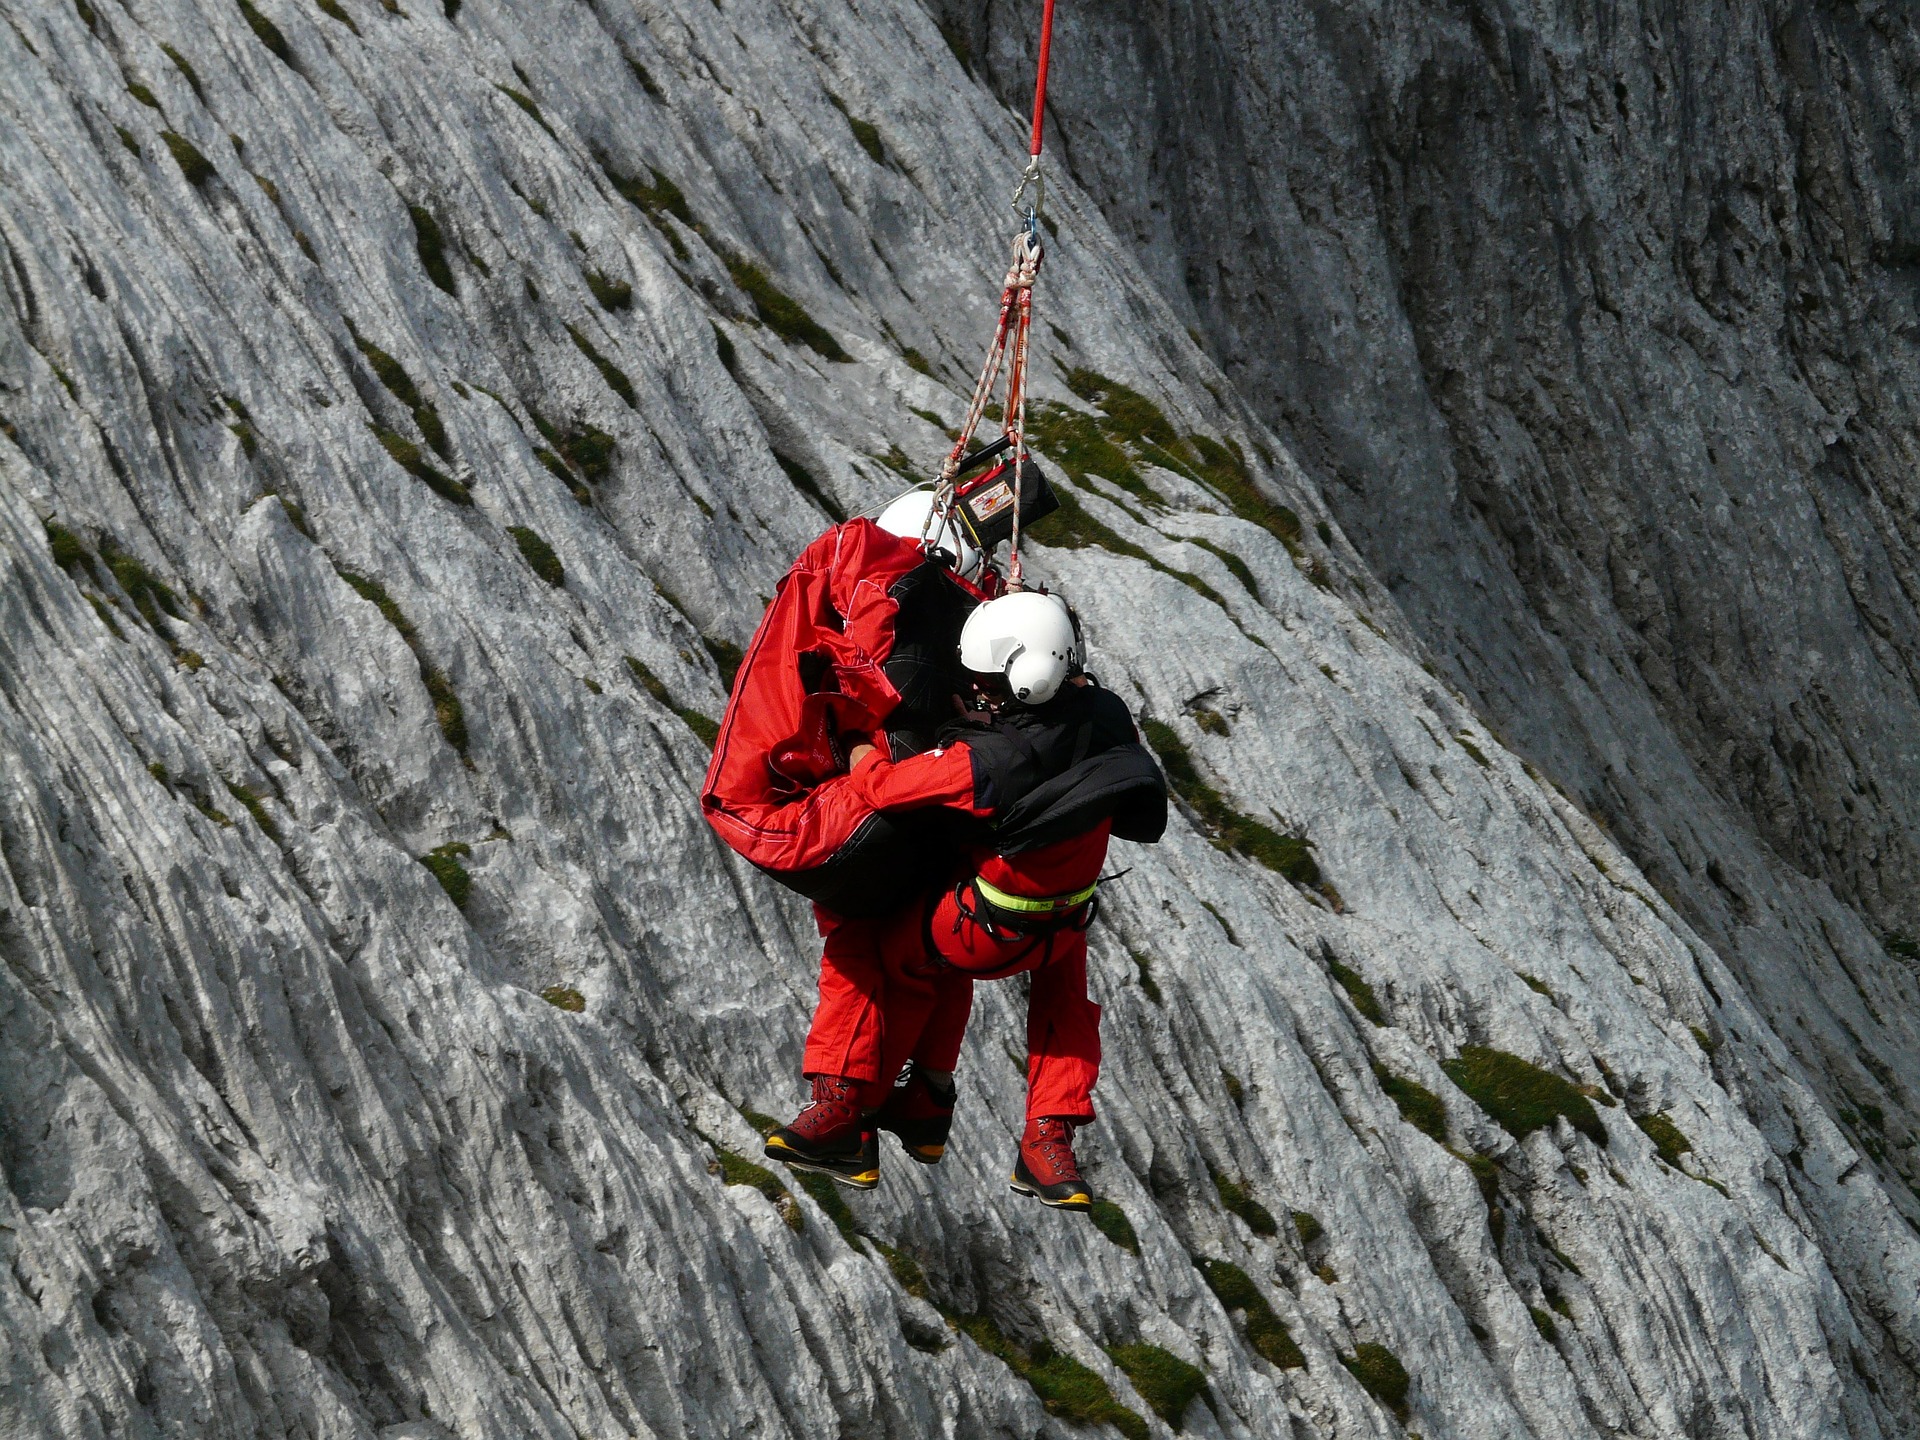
857	754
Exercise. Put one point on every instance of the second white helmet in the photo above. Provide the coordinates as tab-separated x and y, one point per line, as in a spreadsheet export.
911	518
1027	638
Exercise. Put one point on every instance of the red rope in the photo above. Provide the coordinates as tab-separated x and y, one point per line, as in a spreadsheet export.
1040	80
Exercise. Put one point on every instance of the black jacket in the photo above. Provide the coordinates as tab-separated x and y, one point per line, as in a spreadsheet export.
1053	771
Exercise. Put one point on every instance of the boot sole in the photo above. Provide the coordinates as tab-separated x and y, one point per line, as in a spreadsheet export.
1071	1202
794	1160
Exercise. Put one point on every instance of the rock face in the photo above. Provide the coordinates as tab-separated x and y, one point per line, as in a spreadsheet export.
407	410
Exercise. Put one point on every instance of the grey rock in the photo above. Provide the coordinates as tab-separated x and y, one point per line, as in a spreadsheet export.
293	1145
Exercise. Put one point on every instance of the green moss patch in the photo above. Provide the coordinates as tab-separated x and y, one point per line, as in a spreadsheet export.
527	104
1111	1221
266	32
1419	1106
1081	445
448	712
1236	1201
727	656
393	375
1358	991
615	377
1065	1387
612	294
1165	1381
564	997
431	246
804	481
827	1196
187	71
443	863
738	1170
657	199
333	10
864	133
69	550
251	801
1667	1137
701	725
538	554
150	595
1381	1375
1265	1331
408	457
195	166
1290	856
1520	1096
781	313
1235	565
1308	1227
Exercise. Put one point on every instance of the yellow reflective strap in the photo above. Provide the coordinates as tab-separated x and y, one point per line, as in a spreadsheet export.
1027	904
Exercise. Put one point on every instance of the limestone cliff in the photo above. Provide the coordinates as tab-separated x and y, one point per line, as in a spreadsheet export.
407	409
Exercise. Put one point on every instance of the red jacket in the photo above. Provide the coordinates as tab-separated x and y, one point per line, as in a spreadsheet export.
812	674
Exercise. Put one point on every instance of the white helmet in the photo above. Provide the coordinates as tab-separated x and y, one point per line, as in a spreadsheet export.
911	518
1026	637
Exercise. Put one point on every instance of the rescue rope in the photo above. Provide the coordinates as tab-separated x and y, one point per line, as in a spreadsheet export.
1008	350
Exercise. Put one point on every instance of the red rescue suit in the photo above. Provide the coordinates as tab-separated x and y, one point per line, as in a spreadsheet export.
900	989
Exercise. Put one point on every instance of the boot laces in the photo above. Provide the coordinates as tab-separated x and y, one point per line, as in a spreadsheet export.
1053	1145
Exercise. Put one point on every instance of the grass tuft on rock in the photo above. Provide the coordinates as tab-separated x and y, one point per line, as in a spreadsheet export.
738	1170
1358	991
615	377
407	456
250	801
1065	1387
864	132
431	246
564	997
1419	1106
538	554
804	481
1520	1096
1236	1201
1166	1382
266	32
1111	1221
781	313
1668	1138
612	294
69	551
448	712
443	863
1265	1331
827	1196
195	166
150	595
727	656
1290	856
1381	1375
701	725
192	76
335	11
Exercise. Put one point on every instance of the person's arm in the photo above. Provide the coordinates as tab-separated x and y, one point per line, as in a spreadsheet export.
939	777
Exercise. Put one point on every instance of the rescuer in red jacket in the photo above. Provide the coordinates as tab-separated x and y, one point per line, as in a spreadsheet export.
1055	762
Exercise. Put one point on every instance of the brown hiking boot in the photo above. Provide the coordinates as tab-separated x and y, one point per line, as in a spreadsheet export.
919	1114
831	1135
1046	1168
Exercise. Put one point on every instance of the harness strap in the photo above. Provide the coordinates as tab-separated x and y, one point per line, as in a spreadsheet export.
1032	904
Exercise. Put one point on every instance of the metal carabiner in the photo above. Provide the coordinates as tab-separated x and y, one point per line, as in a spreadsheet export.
1030	178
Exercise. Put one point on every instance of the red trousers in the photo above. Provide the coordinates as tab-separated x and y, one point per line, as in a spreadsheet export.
901	988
